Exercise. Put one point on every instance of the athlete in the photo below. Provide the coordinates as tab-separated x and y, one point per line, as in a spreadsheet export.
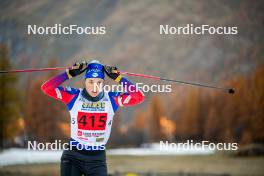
91	110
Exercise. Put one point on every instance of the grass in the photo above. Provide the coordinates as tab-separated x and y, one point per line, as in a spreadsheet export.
176	165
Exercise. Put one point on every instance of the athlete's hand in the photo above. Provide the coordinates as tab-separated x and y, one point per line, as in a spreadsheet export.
77	69
112	72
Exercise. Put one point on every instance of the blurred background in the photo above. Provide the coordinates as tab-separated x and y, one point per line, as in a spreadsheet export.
132	42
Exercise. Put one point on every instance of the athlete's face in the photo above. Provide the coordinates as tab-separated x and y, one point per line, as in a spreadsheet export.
94	86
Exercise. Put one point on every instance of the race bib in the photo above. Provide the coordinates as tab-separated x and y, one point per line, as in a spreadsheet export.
91	121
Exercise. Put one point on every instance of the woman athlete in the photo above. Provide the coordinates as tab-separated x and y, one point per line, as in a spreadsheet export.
91	112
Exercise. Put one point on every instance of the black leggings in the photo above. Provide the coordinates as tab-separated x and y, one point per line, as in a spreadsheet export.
68	169
74	163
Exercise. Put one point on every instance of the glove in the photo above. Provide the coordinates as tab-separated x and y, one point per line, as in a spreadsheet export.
112	72
77	69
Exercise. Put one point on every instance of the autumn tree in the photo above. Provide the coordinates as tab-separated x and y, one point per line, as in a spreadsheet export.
139	127
190	122
258	105
153	121
9	98
47	119
116	136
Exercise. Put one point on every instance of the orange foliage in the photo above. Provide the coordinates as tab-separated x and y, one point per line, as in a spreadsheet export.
210	115
168	127
230	118
65	128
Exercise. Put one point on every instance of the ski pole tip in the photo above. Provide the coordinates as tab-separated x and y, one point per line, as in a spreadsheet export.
231	91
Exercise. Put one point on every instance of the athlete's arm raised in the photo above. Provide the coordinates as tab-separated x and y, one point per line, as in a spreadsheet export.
132	96
53	89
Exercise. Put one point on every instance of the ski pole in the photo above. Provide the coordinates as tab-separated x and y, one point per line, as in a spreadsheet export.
227	90
33	70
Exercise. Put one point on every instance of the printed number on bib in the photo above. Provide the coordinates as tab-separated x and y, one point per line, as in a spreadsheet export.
91	121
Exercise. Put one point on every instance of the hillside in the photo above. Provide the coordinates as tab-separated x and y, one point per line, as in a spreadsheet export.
132	40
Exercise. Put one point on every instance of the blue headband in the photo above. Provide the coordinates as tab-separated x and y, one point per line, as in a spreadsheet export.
95	70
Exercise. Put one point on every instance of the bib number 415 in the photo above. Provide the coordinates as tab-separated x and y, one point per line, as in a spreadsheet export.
91	121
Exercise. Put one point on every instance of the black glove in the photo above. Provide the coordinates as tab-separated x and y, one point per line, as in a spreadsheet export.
77	69
112	72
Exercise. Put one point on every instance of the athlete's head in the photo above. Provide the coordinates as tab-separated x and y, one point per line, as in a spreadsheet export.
94	78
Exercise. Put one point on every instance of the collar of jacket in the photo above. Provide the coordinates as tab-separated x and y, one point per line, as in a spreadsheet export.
86	95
